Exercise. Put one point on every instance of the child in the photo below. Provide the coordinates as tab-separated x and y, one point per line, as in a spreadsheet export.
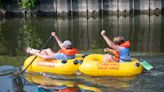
119	49
66	51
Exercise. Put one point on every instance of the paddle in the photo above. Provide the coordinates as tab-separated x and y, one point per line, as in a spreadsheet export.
146	65
36	56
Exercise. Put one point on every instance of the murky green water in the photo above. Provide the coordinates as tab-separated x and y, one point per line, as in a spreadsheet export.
144	32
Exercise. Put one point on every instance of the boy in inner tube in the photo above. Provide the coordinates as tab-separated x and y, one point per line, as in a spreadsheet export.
66	51
119	48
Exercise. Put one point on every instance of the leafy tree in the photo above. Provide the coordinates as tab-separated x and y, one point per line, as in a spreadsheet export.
28	4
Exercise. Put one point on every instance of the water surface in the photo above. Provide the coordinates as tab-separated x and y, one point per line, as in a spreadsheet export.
144	32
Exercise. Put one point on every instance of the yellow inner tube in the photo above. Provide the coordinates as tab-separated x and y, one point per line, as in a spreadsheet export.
63	67
93	65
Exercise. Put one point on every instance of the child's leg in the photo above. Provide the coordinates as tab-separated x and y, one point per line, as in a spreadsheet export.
108	58
31	51
34	51
49	52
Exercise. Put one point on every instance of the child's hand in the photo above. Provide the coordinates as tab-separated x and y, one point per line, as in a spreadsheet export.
103	32
53	33
106	49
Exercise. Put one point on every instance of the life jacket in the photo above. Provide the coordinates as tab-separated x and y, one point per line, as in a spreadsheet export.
68	52
71	89
122	54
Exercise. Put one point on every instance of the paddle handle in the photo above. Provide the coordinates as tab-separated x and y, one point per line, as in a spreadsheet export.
46	43
36	56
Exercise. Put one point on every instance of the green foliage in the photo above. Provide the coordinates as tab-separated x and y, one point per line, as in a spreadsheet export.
28	36
28	4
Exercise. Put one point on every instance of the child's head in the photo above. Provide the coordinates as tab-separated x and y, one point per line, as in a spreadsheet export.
118	39
67	44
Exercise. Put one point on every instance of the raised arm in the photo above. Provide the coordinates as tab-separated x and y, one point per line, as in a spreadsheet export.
57	39
110	43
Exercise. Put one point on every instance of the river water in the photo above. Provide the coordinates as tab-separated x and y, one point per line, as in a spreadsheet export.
144	32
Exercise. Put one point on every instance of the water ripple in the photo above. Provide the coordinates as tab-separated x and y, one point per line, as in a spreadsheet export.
157	73
6	70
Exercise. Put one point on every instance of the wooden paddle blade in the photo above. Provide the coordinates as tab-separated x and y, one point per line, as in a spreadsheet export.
146	65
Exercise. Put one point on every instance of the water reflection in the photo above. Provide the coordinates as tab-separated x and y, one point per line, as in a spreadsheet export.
46	84
28	35
17	84
145	32
11	84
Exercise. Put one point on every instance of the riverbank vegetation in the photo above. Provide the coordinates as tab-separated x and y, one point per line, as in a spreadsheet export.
25	7
25	4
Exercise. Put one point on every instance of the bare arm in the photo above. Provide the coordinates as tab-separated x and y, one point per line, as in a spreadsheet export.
109	50
57	39
108	41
